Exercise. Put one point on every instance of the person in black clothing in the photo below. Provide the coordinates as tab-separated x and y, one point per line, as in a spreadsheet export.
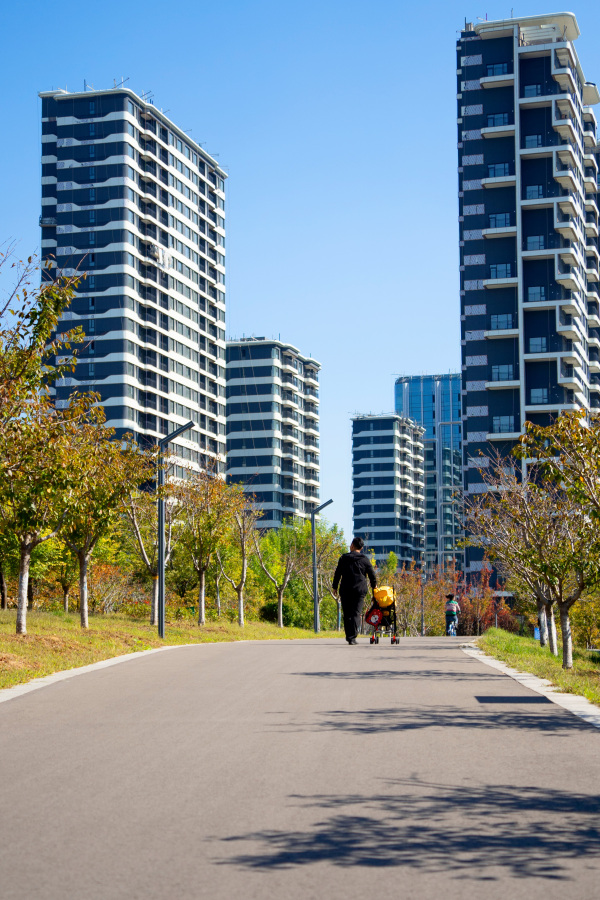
351	575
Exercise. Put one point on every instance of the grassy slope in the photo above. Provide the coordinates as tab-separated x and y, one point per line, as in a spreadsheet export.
526	655
56	642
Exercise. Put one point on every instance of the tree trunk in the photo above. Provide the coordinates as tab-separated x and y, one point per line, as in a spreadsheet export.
202	597
567	638
29	594
218	597
66	592
552	641
24	561
84	559
154	601
280	607
541	608
240	596
3	593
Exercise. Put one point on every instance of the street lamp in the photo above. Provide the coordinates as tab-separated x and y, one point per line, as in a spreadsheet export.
423	583
161	527
314	563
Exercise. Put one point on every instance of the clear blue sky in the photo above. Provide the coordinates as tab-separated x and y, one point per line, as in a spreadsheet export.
337	123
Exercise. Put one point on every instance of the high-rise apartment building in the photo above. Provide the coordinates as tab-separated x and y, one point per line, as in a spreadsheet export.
273	427
434	403
131	201
387	485
528	181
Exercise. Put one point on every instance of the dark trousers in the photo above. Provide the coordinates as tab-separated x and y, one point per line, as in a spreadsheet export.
450	617
352	607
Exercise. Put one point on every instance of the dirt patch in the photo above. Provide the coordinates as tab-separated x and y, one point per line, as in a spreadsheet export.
8	661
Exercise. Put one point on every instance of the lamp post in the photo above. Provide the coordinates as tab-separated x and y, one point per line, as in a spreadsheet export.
423	583
317	624
161	527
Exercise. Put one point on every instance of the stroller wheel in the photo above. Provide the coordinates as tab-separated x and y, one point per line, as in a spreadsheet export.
371	640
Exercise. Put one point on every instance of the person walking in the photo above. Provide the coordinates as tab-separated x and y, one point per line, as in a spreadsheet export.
452	610
351	574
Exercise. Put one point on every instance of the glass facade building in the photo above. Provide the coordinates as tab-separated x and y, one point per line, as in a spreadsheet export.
434	403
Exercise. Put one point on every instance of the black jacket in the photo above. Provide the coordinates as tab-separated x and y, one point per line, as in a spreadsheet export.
352	572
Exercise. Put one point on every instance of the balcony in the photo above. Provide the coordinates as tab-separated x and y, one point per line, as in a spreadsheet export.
501	275
48	222
499	181
567	226
567	277
506	79
498	385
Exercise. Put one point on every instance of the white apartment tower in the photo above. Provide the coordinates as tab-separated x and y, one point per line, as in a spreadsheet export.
131	201
273	427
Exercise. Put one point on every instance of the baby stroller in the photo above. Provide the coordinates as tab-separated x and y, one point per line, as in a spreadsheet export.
382	615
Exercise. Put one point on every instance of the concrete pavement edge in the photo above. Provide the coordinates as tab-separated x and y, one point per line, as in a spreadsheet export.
575	704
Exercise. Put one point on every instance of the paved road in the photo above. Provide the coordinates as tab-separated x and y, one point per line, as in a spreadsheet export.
305	769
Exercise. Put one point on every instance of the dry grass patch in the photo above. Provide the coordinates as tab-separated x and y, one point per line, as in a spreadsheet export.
526	655
56	642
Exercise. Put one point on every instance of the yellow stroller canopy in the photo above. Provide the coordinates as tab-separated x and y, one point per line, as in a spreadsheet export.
384	596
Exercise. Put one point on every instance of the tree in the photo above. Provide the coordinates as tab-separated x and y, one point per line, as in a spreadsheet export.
279	558
140	511
208	508
243	527
108	470
532	528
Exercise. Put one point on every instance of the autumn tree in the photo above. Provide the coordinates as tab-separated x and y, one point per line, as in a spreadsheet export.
533	528
236	571
208	509
280	558
108	470
141	536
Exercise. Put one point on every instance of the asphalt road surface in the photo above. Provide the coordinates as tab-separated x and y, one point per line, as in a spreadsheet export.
297	769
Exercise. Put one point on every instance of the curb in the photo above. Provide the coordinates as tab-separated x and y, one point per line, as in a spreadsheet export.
36	683
573	703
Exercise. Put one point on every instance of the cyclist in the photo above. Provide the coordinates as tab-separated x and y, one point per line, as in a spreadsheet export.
452	610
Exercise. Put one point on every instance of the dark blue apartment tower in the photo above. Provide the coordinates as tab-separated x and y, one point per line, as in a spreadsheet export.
434	403
131	201
528	181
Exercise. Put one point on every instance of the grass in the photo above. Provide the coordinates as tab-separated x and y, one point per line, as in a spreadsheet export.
56	642
526	655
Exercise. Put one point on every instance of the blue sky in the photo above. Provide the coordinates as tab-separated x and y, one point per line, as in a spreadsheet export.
337	124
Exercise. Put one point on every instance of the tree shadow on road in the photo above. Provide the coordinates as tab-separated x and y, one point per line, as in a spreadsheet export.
524	716
478	833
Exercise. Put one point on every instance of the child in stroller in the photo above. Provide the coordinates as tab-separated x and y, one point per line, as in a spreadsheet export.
382	615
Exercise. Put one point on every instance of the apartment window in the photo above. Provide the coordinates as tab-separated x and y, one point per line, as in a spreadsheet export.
532	90
533	140
92	216
92	173
92	151
92	129
92	348
92	107
536	293
91	326
535	242
538	344
497	69
92	195
91	304
501	321
91	370
497	119
502	373
92	282
503	424
499	220
92	259
130	108
539	395
501	270
497	170
534	191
